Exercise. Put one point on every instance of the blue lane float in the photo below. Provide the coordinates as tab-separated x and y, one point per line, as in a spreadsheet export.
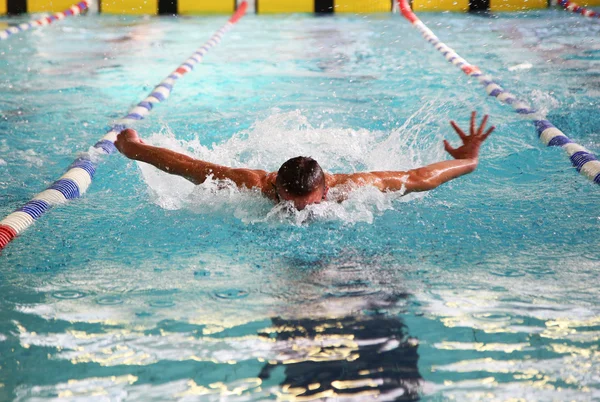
73	10
77	179
584	161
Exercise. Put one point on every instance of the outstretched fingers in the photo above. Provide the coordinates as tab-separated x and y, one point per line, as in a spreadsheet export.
458	130
482	126
472	126
487	133
447	147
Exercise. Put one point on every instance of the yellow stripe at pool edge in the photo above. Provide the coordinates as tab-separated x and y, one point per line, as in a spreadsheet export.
440	5
130	6
205	7
45	6
285	6
362	6
517	5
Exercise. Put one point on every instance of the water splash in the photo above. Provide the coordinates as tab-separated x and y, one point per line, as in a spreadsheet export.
283	135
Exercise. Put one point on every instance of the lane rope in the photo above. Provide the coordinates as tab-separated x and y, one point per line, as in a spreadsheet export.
582	159
73	10
574	7
79	175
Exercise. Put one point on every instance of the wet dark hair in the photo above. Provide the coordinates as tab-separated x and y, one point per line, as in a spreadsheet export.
300	176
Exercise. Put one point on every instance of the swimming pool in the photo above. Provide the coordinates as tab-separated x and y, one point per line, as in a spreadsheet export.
150	289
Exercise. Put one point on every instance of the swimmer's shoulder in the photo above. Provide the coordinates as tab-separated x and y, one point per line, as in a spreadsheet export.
268	188
337	188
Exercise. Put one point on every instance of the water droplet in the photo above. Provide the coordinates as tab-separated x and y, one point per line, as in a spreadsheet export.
68	294
231	294
109	300
540	271
161	303
492	317
350	293
201	273
591	256
512	273
143	314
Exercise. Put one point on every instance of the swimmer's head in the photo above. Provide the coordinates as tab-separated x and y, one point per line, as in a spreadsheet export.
302	181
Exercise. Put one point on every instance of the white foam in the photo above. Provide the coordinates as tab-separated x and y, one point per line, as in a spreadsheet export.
543	101
280	136
522	66
30	157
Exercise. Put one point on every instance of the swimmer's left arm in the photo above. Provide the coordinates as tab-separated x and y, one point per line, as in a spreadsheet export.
427	177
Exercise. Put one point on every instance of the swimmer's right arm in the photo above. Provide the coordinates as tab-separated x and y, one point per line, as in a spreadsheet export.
197	171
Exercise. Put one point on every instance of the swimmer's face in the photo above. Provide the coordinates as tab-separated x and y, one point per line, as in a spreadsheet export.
301	201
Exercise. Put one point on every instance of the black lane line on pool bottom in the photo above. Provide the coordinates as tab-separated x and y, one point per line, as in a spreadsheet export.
16	7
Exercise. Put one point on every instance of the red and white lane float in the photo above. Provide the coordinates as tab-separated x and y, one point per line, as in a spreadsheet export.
73	10
81	172
570	6
582	159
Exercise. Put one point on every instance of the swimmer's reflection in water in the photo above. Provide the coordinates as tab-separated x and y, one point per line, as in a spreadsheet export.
340	335
300	181
358	358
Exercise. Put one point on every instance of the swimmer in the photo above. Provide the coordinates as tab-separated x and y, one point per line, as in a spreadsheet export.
301	180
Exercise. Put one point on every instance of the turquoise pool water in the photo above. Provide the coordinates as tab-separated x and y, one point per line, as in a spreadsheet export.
149	288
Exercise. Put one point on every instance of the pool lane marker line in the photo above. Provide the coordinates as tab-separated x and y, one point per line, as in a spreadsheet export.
81	172
583	160
570	6
73	10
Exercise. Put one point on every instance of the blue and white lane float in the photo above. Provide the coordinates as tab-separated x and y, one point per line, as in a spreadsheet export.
81	172
583	160
73	10
570	6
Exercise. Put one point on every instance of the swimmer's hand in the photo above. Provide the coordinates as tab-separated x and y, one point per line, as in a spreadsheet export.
126	142
471	142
